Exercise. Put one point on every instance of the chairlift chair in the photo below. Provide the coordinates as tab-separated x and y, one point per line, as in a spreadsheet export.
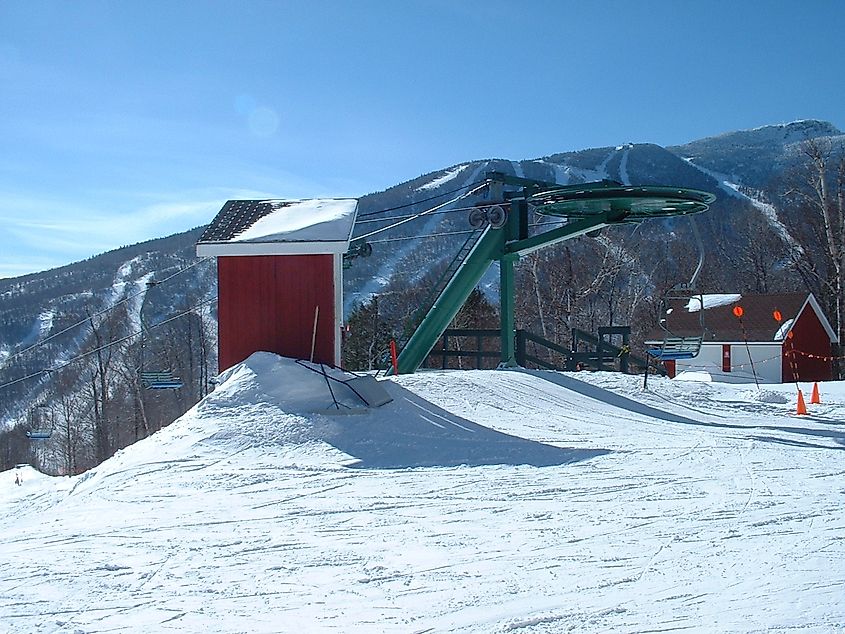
160	380
41	423
682	297
154	379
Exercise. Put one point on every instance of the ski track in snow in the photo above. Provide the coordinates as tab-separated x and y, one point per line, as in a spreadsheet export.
445	178
601	169
694	507
623	166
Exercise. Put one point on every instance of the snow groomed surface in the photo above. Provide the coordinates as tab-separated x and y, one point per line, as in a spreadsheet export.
474	502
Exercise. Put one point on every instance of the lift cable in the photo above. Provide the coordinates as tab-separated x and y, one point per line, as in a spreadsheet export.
423	213
443	211
201	260
101	312
425	237
419	202
108	345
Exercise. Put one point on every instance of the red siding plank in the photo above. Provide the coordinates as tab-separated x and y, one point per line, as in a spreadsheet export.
809	338
268	303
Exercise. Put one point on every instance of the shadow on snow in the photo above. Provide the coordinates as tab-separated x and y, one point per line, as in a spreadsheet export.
622	402
412	432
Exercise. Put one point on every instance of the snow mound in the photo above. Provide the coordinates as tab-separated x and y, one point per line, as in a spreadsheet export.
269	399
764	396
20	474
690	375
294	386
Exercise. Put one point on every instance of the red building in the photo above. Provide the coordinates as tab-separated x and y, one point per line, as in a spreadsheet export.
279	276
780	338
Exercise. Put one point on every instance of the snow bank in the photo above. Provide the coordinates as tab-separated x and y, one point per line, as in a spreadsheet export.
689	375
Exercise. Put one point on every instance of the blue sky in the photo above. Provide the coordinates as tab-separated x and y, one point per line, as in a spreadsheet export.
127	120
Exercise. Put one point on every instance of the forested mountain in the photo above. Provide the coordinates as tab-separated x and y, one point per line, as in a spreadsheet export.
76	339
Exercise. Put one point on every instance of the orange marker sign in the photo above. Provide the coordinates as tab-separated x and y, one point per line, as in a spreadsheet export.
778	317
738	312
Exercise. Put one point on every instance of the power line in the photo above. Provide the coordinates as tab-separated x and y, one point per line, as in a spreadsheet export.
108	345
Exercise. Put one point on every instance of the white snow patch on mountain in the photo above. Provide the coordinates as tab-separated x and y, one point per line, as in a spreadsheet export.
474	502
569	175
768	210
406	248
770	214
623	166
601	169
445	178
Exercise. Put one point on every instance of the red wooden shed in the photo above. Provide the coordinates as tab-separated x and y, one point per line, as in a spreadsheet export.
279	276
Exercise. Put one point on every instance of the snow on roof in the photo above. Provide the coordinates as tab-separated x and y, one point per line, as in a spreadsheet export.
780	335
279	227
712	301
758	323
313	220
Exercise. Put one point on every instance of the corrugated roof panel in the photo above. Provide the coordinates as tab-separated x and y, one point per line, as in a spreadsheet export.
234	218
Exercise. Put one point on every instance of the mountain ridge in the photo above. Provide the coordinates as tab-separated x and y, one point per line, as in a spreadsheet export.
39	305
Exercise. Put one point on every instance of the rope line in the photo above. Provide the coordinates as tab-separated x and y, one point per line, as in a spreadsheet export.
444	211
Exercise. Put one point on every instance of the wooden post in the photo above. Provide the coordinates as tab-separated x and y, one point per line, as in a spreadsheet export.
314	331
393	356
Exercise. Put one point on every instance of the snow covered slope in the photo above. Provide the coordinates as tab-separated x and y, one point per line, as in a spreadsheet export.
473	502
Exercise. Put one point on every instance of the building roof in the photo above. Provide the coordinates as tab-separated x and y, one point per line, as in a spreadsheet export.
722	325
280	227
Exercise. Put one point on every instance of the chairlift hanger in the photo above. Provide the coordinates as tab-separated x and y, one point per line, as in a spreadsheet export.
158	379
42	427
683	296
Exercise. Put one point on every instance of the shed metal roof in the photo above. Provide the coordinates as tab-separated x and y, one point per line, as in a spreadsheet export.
280	227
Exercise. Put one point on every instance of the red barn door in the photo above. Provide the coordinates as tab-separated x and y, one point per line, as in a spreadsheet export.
269	303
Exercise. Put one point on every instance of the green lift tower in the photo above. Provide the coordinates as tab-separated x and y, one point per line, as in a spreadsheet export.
505	238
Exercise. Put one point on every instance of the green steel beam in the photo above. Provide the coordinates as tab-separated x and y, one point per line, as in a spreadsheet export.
566	232
506	312
516	229
488	248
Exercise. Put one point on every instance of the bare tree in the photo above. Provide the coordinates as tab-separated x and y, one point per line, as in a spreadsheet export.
102	376
815	214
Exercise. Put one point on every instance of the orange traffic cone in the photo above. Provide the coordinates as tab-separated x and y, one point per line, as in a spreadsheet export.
802	407
815	399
